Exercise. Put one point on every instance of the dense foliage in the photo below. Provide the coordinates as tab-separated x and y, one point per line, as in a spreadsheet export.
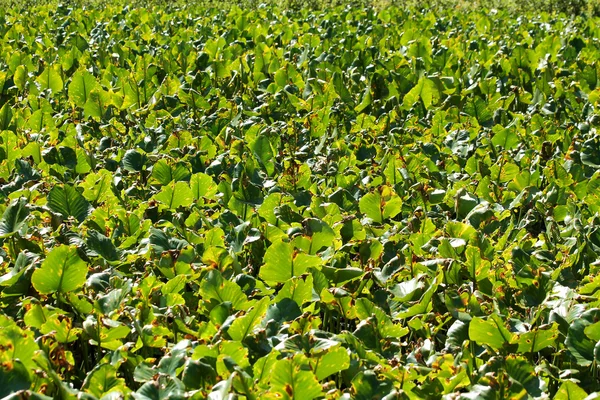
293	204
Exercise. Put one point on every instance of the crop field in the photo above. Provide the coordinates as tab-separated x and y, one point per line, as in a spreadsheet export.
289	203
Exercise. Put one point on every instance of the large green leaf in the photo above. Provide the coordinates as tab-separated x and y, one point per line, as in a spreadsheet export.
5	117
261	148
590	153
51	79
175	195
490	332
68	202
331	362
570	391
478	267
134	161
380	207
242	326
538	339
62	271
202	185
580	346
365	102
370	205
196	373
425	90
523	373
293	379
164	388
97	186
13	377
214	286
477	108
321	235
299	289
283	262
102	380
82	83
366	386
14	217
20	343
165	173
506	138
102	245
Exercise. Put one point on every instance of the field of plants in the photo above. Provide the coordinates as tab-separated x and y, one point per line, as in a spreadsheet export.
277	203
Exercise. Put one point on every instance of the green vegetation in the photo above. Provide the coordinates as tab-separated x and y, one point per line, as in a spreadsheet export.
296	203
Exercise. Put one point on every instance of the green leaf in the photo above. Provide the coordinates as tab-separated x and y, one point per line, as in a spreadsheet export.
293	379
299	289
521	371
366	100
477	108
197	373
392	207
51	79
478	268
20	77
13	377
579	345
590	153
481	392
321	235
134	161
213	286
570	391
169	365
538	339
406	290
457	334
385	326
370	205
9	146
163	388
165	173
593	331
410	309
284	310
221	390
490	332
62	271
202	185
161	242
67	201
20	342
5	117
14	217
366	386
62	329
175	195
82	83
331	362
426	90
506	138
242	326
102	380
97	186
283	262
262	369
261	148
102	245
96	104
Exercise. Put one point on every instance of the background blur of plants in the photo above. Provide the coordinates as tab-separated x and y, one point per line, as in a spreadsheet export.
588	8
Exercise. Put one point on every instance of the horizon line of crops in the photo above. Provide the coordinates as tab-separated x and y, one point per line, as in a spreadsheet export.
585	8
